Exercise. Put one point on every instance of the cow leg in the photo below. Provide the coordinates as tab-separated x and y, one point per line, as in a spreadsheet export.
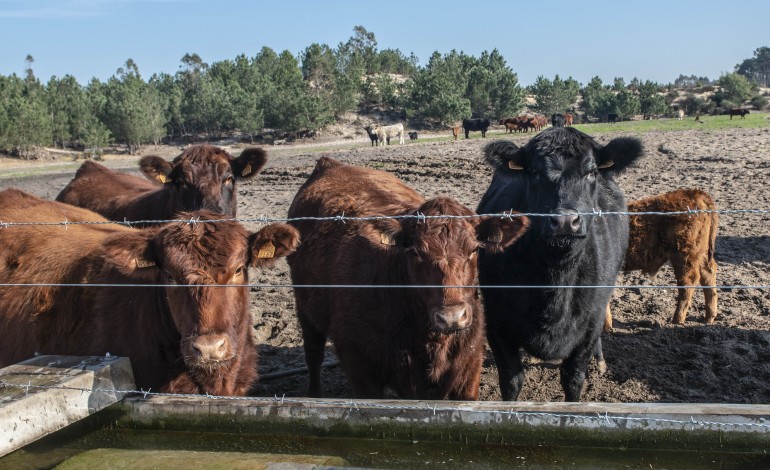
573	370
314	343
510	370
601	364
364	376
608	319
686	275
708	277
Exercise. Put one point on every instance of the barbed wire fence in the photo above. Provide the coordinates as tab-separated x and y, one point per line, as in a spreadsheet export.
600	419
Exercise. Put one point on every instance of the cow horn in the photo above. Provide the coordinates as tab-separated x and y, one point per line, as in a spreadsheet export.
514	166
607	164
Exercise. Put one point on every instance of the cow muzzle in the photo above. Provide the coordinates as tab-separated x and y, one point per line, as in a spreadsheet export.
211	350
566	224
451	318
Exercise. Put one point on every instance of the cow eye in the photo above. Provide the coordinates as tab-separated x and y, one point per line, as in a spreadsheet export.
413	253
228	180
472	255
170	279
239	270
591	176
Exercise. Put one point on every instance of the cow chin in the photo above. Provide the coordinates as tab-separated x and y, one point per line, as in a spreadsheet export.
208	367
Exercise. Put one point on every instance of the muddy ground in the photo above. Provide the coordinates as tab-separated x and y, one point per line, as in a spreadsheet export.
649	359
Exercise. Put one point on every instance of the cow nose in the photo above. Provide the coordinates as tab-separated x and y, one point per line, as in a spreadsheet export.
565	224
211	348
455	317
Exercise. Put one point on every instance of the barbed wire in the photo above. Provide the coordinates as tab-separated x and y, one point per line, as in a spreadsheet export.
343	218
602	418
392	286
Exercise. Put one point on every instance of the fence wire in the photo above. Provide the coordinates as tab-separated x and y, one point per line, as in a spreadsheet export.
419	216
603	419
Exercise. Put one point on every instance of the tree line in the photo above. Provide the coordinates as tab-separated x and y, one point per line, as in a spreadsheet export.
280	91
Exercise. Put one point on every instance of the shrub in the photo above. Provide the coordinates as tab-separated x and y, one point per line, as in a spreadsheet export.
759	102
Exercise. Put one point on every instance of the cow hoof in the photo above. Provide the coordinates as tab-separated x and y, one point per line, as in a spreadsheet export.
602	366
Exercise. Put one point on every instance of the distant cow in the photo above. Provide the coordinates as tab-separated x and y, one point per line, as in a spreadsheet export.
680	114
424	343
567	120
413	136
557	120
456	132
476	124
562	172
686	241
372	135
192	333
385	133
738	112
202	177
612	118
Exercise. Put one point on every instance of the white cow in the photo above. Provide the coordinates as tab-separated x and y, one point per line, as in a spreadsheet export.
385	133
681	114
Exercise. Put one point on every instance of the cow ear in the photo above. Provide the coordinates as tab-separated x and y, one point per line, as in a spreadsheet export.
271	243
497	233
505	155
155	168
132	254
249	163
619	154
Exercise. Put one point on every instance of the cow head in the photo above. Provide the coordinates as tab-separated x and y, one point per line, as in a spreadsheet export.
443	251
204	177
196	262
563	173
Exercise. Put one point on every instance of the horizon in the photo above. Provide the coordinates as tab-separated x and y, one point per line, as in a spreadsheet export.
93	38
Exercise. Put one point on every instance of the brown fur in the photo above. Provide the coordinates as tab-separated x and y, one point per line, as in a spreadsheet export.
391	337
202	177
687	241
179	339
567	120
456	132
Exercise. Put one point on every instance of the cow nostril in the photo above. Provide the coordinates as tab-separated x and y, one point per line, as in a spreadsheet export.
555	222
575	223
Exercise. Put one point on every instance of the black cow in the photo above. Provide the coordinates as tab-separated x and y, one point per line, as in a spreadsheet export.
562	172
413	136
476	124
372	135
557	120
612	118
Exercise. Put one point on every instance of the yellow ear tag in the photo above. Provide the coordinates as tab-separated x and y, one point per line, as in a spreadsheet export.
606	164
143	263
246	170
514	166
162	179
267	250
386	239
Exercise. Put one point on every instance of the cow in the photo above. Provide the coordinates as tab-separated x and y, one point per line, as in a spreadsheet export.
372	135
612	118
557	120
567	120
385	133
680	114
686	241
738	112
413	136
422	341
188	331
202	177
456	131
476	124
564	173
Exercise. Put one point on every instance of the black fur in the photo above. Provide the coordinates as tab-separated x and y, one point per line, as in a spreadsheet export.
560	175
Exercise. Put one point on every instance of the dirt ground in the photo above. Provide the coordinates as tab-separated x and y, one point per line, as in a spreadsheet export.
649	359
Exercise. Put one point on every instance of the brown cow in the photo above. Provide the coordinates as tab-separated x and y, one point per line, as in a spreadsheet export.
456	132
202	177
567	120
422	342
190	334
686	241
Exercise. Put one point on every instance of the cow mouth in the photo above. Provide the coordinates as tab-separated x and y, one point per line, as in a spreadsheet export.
208	366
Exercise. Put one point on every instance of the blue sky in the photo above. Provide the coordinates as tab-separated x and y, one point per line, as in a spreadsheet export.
651	39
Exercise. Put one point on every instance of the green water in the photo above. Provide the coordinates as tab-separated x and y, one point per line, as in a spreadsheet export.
97	443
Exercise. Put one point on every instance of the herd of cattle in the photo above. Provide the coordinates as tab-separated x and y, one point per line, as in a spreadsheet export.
155	291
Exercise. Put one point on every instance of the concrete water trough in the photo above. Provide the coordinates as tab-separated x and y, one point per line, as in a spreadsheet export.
147	430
